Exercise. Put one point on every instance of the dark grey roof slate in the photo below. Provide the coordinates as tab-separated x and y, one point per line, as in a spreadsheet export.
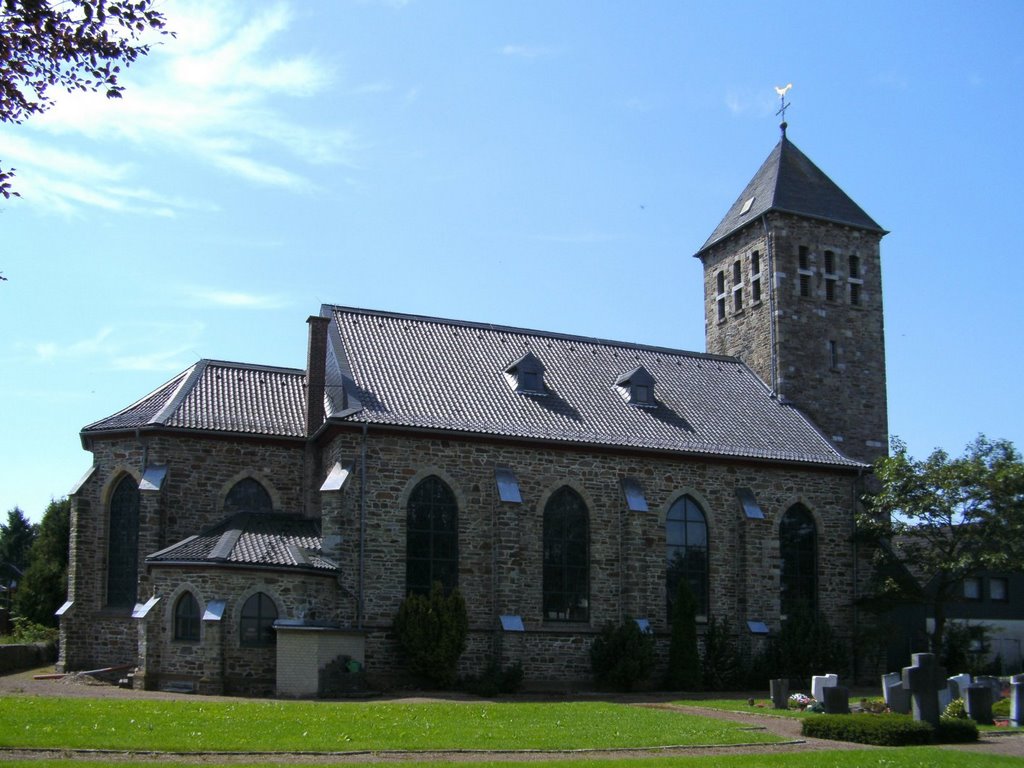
788	181
264	539
423	372
219	396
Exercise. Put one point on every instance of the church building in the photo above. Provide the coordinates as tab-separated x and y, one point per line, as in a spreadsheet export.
248	528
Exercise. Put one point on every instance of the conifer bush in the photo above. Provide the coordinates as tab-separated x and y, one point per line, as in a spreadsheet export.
622	656
685	671
431	631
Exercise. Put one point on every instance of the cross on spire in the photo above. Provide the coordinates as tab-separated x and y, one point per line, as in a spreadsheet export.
783	104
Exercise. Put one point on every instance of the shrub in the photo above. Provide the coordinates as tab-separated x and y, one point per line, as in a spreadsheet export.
955	709
25	631
889	730
956	731
881	730
684	665
494	680
622	656
431	631
720	661
807	646
1001	709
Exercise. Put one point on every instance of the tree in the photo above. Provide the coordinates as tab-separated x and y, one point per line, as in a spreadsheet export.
16	537
45	584
684	667
431	631
944	519
75	45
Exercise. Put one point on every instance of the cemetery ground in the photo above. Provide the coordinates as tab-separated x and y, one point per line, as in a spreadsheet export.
53	722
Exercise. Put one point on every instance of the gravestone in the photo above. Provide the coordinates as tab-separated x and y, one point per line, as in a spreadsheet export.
897	698
1017	701
958	684
992	682
924	678
978	700
820	682
837	700
780	693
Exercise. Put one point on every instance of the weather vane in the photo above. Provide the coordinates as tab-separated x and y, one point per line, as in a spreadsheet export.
782	103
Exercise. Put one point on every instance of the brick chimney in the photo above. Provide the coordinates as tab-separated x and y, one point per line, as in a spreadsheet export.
316	365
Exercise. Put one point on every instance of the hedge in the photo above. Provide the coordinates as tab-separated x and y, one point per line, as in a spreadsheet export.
888	730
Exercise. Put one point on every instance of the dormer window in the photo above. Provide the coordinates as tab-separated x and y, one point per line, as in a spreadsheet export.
637	387
526	375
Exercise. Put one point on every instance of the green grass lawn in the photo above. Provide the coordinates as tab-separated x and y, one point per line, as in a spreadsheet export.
908	757
761	707
282	726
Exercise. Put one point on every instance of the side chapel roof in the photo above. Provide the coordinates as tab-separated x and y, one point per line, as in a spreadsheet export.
267	539
213	395
430	373
789	182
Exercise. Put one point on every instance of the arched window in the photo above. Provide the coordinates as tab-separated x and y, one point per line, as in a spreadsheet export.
432	537
566	557
248	495
257	626
798	544
123	544
186	618
686	539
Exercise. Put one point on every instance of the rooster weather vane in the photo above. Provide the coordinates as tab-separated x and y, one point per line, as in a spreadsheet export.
783	104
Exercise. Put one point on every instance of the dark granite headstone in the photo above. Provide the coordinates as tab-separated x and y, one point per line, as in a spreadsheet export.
978	701
923	678
837	700
780	693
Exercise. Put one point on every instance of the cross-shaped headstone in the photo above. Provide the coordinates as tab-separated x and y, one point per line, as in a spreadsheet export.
923	678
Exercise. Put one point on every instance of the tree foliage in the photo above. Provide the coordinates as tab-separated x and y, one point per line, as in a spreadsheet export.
74	45
943	519
44	586
431	631
16	537
622	656
684	666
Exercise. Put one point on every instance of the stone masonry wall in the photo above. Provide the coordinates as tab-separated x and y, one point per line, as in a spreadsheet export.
500	543
200	471
830	351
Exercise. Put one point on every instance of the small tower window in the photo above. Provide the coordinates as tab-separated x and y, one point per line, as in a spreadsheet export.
755	277
737	287
854	265
833	355
720	297
637	387
526	375
856	281
830	276
804	271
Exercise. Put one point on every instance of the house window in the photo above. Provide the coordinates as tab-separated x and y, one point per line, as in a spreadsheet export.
972	589
256	629
686	540
566	575
999	590
755	277
248	495
526	375
804	271
432	537
123	545
798	544
186	618
637	386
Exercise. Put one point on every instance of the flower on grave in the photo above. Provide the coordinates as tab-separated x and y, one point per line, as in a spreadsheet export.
800	700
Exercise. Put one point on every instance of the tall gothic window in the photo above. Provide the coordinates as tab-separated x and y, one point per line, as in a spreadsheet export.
432	537
256	628
686	539
123	544
248	495
186	618
798	543
566	557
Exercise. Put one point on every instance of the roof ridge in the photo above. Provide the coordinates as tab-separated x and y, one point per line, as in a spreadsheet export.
597	341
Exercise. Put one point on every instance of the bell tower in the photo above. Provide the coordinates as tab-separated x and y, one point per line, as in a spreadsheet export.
793	287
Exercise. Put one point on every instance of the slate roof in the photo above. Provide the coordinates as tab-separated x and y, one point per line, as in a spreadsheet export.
253	539
788	181
220	396
422	372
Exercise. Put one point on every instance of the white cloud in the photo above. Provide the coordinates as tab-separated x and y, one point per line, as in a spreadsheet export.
234	299
216	94
526	51
118	348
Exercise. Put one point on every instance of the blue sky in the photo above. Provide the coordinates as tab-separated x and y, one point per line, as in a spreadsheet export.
548	165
